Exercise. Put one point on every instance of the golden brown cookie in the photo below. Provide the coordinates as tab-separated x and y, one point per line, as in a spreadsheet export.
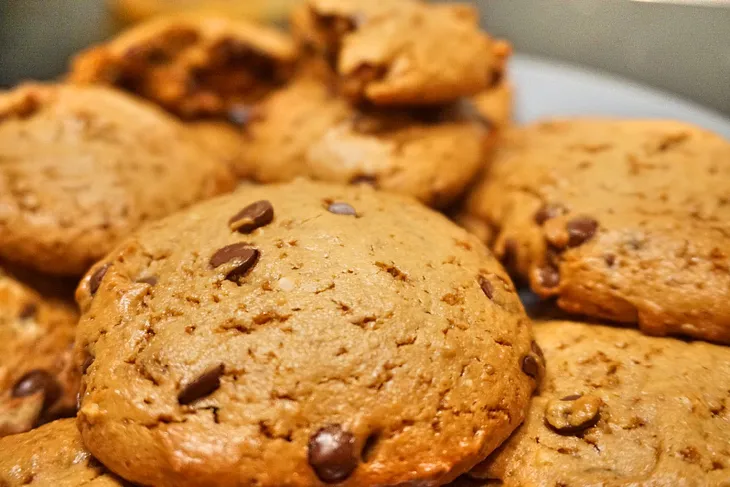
52	455
620	409
192	65
301	335
38	381
431	153
81	167
627	220
400	52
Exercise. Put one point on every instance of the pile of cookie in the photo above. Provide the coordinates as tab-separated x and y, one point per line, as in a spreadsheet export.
263	296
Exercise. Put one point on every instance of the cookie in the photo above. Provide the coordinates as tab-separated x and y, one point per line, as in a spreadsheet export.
192	65
82	166
306	130
402	52
617	219
301	334
52	455
617	408
38	381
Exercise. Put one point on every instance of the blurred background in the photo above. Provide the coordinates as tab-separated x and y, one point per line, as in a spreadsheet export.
681	47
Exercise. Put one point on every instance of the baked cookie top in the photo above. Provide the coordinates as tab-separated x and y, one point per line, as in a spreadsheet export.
431	153
403	52
301	335
627	220
52	455
81	167
192	65
621	409
38	381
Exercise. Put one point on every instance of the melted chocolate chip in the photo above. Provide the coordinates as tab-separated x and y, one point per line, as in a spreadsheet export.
38	381
531	366
572	415
486	287
580	230
29	311
240	257
206	384
253	216
97	277
331	454
546	212
548	276
151	280
610	259
340	208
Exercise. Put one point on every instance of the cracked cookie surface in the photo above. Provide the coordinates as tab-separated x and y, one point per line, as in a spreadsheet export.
618	219
431	153
38	381
82	166
301	335
193	66
402	52
618	408
52	455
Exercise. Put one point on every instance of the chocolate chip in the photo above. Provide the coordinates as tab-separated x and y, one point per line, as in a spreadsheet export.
151	280
610	259
486	287
537	350
365	179
571	397
38	381
29	311
546	212
240	257
97	277
531	366
339	208
331	454
87	363
573	414
580	230
253	216
548	276
206	384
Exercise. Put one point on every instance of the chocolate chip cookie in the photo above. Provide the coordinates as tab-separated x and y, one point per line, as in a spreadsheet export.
82	166
623	220
621	409
192	65
431	153
402	52
38	381
301	334
52	455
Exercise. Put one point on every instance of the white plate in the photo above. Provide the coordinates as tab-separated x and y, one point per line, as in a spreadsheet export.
553	89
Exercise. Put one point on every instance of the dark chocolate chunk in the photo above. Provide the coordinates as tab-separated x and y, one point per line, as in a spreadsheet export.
38	381
580	230
241	259
331	454
486	287
206	384
253	216
97	277
531	366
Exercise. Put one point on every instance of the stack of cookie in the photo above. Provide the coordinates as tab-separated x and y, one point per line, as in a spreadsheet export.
401	95
339	332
